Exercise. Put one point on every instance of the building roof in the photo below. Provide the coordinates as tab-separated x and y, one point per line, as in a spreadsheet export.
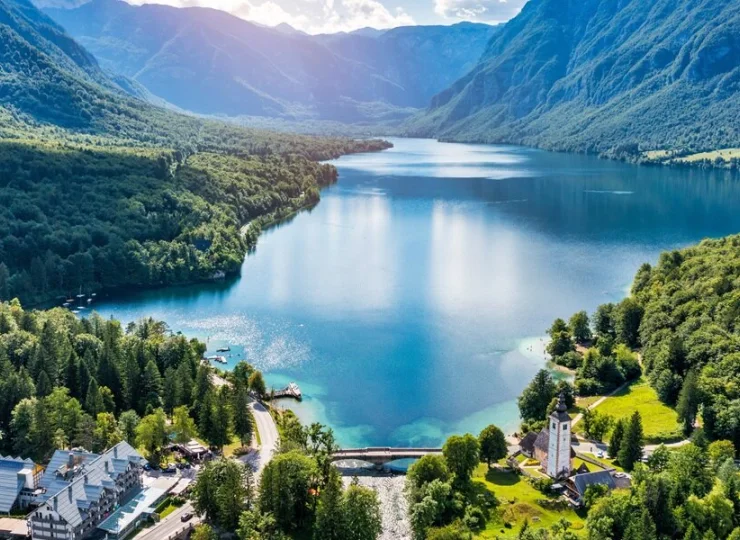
61	471
542	442
561	410
141	503
582	481
83	484
11	480
527	442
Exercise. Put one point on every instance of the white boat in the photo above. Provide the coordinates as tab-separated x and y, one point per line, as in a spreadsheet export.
217	358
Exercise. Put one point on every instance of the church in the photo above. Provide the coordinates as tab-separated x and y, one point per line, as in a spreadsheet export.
551	446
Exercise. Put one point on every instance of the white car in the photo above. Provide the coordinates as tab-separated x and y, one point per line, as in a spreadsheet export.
600	454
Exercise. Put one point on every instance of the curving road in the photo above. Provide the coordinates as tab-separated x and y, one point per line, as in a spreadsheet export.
268	434
172	526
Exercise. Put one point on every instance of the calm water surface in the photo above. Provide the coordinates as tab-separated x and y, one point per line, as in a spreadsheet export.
409	303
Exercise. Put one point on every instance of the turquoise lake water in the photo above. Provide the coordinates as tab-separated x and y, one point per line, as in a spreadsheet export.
409	303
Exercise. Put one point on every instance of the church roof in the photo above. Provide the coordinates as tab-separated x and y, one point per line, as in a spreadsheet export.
542	442
561	411
582	481
527	442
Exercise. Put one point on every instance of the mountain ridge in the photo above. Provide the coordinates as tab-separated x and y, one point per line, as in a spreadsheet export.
602	77
210	62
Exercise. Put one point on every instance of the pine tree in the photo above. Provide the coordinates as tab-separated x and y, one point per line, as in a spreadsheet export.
93	399
151	386
688	402
169	394
131	381
692	533
630	451
4	283
329	516
204	417
109	375
203	384
615	440
242	420
71	375
220	415
43	384
641	528
83	380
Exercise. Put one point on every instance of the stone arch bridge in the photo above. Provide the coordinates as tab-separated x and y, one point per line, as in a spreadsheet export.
380	456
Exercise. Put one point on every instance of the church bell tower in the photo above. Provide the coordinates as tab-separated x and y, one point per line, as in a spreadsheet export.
558	453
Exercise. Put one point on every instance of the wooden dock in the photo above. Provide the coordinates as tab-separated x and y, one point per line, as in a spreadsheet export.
290	391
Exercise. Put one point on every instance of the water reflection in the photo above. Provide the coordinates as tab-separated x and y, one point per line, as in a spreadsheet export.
405	303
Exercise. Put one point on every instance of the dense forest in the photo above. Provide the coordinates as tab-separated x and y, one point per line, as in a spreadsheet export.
101	189
67	382
681	321
85	217
683	317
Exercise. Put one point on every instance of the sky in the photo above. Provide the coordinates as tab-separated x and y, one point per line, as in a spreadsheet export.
324	16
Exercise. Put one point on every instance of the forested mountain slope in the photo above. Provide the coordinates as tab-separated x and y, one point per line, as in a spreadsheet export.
211	62
99	189
602	76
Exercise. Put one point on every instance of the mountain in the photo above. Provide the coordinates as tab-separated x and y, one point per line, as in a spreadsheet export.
601	76
210	62
102	190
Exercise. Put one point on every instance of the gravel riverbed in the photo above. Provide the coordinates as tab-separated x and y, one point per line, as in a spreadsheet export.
393	505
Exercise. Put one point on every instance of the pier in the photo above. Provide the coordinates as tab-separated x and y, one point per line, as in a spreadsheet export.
290	391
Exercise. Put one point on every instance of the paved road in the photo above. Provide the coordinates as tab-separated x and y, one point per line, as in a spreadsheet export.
169	526
268	437
267	429
591	447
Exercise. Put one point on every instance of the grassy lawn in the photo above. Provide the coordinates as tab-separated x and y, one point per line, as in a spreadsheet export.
659	422
167	511
587	401
577	462
519	501
607	463
726	154
233	445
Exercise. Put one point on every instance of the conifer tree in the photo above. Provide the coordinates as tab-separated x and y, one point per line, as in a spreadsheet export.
93	399
630	450
242	420
688	402
615	441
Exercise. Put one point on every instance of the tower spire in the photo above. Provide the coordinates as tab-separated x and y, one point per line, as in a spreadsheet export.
561	403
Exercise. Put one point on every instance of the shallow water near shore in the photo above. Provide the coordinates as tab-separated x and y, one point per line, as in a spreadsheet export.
407	305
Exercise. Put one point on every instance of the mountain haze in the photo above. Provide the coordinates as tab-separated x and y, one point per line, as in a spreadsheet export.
210	62
602	76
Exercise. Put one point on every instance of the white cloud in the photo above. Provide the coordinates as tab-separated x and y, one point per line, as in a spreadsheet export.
480	10
312	16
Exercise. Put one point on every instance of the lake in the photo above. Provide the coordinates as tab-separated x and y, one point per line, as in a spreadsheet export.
410	303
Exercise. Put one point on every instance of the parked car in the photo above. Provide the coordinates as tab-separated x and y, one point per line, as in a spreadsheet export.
600	454
187	516
170	469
